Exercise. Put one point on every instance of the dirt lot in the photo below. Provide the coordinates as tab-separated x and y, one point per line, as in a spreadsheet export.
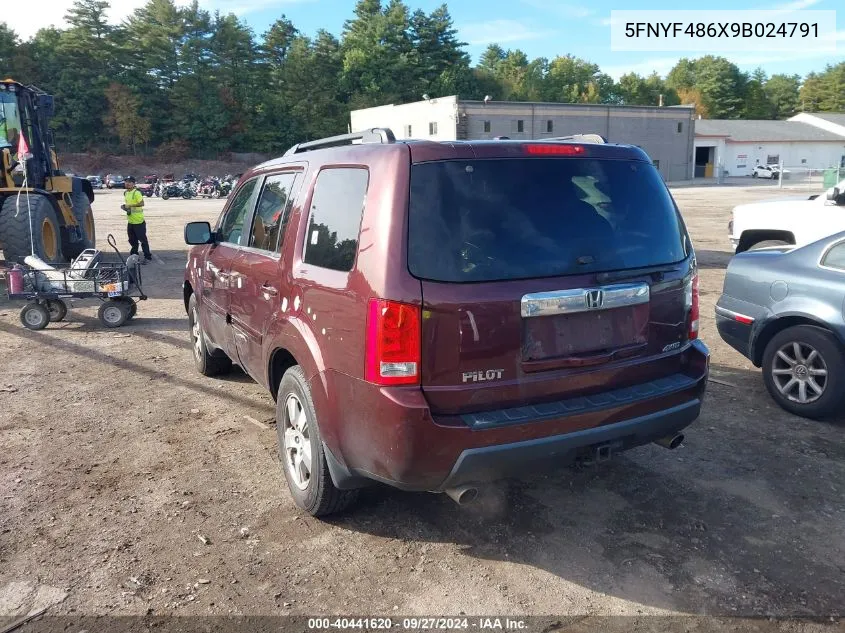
126	482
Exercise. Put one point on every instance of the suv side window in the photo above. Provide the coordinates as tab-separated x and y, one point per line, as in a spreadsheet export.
231	227
272	212
337	207
835	257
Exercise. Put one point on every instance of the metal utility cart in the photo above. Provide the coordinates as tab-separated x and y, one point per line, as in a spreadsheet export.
45	288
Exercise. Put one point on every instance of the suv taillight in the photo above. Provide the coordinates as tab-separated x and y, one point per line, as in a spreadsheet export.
692	304
393	343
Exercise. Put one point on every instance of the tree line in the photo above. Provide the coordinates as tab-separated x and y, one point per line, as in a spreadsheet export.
182	81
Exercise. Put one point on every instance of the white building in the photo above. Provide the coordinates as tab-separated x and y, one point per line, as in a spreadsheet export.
808	141
666	134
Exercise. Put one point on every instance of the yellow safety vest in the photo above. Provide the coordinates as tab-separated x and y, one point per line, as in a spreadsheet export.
133	196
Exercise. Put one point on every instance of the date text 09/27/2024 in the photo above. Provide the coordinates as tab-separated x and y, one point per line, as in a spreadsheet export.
420	623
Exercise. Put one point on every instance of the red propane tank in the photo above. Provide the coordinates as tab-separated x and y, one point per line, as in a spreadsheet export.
15	278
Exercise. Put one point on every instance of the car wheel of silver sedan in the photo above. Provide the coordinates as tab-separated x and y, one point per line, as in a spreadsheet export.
804	371
799	372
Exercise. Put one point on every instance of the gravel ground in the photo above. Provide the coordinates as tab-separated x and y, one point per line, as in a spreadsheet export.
130	485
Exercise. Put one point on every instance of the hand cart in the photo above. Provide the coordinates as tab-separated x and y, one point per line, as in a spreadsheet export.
46	288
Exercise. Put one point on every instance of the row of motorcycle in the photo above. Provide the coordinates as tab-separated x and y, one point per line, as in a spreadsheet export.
192	186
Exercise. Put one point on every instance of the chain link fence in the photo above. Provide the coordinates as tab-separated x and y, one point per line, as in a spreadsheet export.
794	178
811	179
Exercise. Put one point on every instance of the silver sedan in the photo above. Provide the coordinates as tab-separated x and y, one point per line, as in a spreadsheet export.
784	309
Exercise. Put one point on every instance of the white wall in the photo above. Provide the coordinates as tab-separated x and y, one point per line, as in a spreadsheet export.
418	115
739	159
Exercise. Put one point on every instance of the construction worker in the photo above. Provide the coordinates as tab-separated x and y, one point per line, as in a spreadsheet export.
136	227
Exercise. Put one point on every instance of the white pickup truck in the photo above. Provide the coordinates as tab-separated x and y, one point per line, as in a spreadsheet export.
797	221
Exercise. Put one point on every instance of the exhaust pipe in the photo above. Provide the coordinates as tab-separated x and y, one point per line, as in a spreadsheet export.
462	495
670	441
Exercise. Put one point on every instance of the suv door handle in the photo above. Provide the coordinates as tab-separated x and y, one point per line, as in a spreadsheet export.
269	291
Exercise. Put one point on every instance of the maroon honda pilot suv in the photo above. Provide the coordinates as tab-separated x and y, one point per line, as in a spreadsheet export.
434	315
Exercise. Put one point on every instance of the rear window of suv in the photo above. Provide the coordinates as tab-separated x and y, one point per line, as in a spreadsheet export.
504	219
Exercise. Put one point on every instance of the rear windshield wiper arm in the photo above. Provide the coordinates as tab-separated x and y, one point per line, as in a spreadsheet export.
655	271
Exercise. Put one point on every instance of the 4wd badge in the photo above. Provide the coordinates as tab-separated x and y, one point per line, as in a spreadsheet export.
483	376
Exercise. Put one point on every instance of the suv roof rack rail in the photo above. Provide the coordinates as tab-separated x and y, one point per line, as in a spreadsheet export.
598	139
375	135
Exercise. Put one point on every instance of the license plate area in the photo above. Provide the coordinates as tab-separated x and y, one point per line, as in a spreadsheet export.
584	333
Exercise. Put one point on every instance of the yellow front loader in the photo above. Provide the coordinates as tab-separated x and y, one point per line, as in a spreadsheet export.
42	211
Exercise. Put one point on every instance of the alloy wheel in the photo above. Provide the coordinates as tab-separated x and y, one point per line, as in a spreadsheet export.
297	443
799	372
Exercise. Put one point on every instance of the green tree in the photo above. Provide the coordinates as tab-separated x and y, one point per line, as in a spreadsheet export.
377	54
154	33
442	66
571	80
313	95
9	46
782	92
721	85
757	103
277	42
832	89
233	56
632	89
123	117
812	92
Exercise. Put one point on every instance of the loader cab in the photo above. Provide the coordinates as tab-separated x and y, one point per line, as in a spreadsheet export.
25	110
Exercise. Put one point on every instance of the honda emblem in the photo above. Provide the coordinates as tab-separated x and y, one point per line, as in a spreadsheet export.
594	299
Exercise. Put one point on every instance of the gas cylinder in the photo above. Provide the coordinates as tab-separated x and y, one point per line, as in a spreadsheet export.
15	278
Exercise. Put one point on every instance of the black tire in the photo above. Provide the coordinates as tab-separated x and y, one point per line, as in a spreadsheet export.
113	313
84	216
186	195
753	174
319	497
832	355
207	363
165	195
34	316
57	309
15	231
130	304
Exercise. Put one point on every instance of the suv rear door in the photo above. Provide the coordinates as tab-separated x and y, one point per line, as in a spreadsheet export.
531	283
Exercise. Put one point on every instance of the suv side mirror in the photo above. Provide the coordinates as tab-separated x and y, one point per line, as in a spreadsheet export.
198	233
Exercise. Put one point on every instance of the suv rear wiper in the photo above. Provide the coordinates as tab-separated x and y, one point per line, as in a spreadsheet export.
656	272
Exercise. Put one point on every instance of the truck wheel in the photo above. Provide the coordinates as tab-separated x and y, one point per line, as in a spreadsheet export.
85	219
34	316
207	363
301	450
15	231
804	371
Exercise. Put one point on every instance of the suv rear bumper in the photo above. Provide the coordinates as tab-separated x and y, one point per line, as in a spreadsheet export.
390	435
491	462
